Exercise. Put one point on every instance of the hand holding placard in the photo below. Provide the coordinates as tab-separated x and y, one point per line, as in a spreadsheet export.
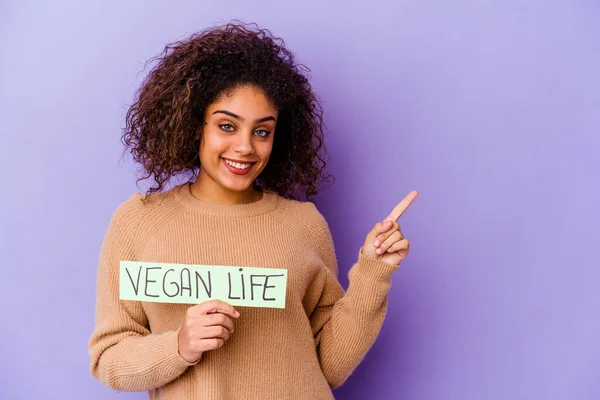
206	327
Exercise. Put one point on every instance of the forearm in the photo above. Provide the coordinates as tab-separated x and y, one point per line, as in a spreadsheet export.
131	362
355	319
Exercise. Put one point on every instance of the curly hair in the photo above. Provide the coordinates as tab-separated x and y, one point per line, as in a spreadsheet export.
163	123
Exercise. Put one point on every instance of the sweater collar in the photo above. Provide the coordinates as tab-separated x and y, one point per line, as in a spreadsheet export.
184	196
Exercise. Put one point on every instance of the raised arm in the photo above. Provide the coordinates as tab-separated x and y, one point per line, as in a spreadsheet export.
345	325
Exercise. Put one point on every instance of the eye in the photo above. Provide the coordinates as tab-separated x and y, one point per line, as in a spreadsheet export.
262	133
226	127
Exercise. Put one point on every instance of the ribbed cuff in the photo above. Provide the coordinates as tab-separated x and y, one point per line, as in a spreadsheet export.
173	360
372	269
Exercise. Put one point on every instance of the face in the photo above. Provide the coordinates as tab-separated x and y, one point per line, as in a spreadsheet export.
237	140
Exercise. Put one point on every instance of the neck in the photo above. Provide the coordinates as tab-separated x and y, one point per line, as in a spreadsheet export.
206	189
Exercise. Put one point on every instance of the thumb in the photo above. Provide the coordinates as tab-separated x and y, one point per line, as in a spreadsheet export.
379	228
368	247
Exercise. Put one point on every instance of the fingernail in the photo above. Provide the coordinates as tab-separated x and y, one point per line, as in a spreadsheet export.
236	313
376	243
378	251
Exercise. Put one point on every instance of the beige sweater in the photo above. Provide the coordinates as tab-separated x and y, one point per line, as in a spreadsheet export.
298	352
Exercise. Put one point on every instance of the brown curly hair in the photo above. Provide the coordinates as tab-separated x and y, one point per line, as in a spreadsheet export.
163	124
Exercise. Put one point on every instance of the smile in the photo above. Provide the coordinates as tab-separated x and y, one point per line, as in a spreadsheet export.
237	164
238	168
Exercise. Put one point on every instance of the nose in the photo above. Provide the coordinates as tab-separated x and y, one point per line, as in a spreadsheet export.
243	144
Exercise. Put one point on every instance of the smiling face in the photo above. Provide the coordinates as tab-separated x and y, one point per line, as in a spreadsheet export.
236	144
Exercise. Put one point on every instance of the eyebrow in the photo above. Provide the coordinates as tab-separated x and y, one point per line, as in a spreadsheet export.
258	121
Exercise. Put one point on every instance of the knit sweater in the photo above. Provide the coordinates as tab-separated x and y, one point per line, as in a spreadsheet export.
297	352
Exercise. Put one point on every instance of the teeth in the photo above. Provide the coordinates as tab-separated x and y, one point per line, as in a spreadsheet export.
237	165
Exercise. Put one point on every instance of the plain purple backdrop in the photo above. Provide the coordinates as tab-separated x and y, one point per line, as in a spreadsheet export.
490	109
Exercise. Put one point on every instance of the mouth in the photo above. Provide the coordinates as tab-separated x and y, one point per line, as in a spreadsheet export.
238	167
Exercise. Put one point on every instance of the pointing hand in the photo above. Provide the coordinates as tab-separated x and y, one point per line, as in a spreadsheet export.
386	242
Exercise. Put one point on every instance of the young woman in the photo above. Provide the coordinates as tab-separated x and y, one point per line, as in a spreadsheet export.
230	107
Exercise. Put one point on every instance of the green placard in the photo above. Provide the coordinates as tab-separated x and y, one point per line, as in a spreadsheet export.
195	284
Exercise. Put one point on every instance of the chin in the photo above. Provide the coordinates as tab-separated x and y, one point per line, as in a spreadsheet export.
238	183
237	186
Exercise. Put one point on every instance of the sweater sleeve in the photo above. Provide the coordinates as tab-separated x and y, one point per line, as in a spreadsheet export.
124	354
345	325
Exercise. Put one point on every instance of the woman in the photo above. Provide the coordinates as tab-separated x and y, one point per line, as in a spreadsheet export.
230	106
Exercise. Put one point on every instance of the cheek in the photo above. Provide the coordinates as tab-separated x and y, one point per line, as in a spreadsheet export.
213	145
266	150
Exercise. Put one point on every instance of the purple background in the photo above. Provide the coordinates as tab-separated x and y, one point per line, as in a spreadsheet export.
489	109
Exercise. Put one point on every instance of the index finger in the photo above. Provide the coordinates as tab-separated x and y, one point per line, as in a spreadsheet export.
402	206
217	306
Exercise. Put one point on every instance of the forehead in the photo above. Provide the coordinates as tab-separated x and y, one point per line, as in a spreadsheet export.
245	101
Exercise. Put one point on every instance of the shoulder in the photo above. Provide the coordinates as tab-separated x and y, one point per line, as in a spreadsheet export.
139	209
310	225
304	213
305	218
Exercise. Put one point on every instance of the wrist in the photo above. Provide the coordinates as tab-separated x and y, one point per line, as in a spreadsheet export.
372	268
187	356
